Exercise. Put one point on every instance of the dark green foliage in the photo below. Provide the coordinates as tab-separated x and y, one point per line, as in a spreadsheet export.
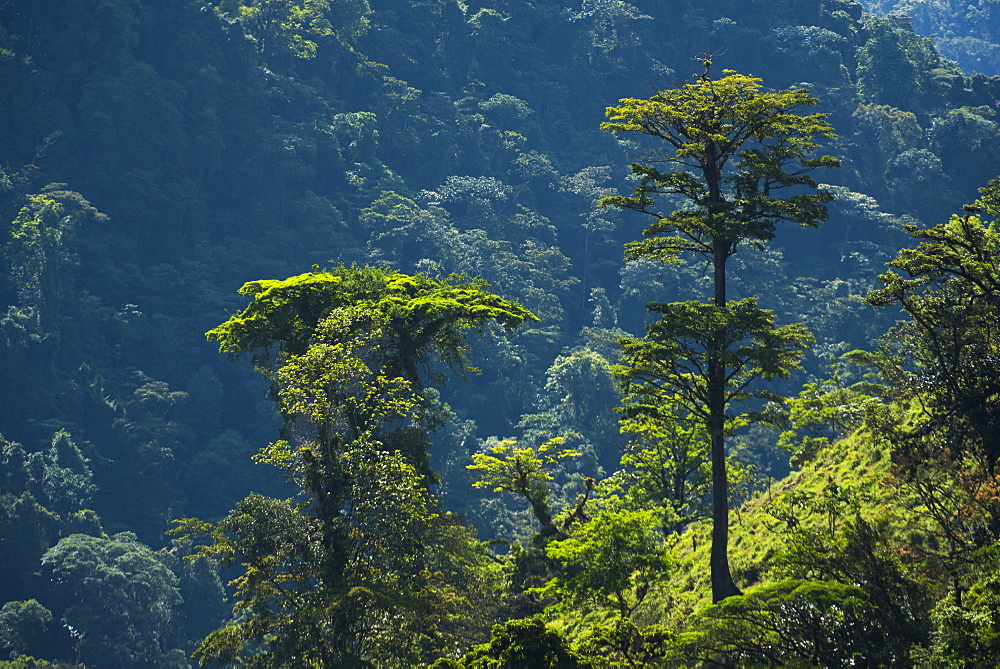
965	32
114	598
943	355
965	630
967	130
788	623
40	259
520	644
117	597
861	554
22	623
45	495
241	139
582	392
326	579
886	73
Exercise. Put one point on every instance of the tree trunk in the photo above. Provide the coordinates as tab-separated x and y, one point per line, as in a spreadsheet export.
540	509
723	585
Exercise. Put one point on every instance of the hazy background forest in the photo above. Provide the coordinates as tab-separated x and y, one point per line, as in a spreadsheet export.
156	156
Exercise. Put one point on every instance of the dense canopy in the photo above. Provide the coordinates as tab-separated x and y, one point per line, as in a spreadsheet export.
557	342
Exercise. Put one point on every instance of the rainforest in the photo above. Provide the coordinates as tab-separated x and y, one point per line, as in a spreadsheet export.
499	333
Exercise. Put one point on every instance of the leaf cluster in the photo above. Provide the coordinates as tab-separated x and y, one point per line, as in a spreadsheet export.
674	357
422	315
946	355
730	143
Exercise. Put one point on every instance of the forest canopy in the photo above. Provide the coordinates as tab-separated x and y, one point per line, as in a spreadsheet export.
548	338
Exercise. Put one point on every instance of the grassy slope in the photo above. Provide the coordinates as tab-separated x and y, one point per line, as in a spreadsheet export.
848	477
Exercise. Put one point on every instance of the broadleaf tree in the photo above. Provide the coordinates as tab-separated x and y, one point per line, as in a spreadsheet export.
947	354
942	365
362	563
664	464
732	163
279	29
507	467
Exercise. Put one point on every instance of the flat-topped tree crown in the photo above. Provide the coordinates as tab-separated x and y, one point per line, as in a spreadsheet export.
423	315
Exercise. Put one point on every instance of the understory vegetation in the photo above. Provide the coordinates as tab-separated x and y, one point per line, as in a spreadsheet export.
545	333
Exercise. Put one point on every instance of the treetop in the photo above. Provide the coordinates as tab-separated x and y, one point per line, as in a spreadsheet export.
738	161
419	310
728	113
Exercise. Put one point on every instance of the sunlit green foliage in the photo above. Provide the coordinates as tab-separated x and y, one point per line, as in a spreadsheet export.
327	579
861	553
519	644
423	315
735	148
296	27
235	139
665	463
611	560
675	354
966	626
730	141
945	353
507	467
307	595
787	623
823	412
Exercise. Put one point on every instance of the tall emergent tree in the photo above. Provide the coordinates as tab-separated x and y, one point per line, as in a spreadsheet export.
733	166
362	564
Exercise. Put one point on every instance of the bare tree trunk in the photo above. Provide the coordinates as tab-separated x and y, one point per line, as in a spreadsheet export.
723	585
